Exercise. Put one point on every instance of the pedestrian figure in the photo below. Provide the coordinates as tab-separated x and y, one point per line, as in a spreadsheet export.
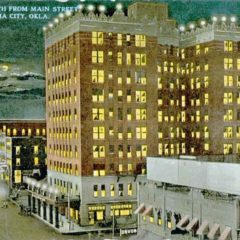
5	204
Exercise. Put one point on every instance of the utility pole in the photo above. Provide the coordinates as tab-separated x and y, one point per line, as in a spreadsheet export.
113	225
68	209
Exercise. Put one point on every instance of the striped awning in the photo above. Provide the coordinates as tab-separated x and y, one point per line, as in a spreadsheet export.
183	222
148	211
226	234
193	223
214	231
140	209
203	229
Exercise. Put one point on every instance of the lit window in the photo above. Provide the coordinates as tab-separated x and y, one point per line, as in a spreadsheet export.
36	161
18	150
35	149
228	46
119	58
228	81
98	151
128	59
98	132
206	98
112	190
141	114
140	59
14	132
141	96
228	132
140	40
197	49
130	189
159	83
98	114
103	191
29	132
238	64
228	98
228	63
18	161
227	148
95	190
97	76
228	116
97	95
97	38
119	39
141	132
97	56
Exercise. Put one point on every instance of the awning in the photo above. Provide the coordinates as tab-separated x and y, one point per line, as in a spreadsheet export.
140	209
214	231
183	222
226	234
203	229
148	211
192	224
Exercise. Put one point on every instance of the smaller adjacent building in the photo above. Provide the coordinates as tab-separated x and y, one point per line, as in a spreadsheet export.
188	198
23	149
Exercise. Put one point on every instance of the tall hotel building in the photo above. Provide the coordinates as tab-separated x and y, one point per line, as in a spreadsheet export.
121	88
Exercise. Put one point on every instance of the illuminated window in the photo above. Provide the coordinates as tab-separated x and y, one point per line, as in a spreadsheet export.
206	132
120	151
120	168
228	115
238	147
198	49
129	114
119	58
206	98
97	76
206	50
141	114
206	67
228	81
103	191
98	132
228	98
17	176
238	64
206	146
128	58
36	161
228	148
141	150
120	189
228	132
159	83
141	132
130	189
140	40
160	116
129	133
29	132
35	149
97	38
98	151
18	161
206	81
141	96
228	46
238	81
119	39
95	190
238	132
112	190
160	149
228	63
130	168
140	77
97	95
98	114
140	59
97	56
18	150
14	132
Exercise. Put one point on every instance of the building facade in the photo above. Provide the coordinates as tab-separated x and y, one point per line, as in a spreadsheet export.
22	147
121	88
177	204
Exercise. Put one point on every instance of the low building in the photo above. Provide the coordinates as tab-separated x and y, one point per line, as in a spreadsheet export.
22	148
187	198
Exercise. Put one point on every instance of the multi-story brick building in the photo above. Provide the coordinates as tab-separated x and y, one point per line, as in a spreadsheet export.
124	87
22	147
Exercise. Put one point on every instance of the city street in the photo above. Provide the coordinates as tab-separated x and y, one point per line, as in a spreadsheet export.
18	227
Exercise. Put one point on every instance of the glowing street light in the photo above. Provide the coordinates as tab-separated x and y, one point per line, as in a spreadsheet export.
224	18
102	8
182	28
214	19
119	6
90	8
